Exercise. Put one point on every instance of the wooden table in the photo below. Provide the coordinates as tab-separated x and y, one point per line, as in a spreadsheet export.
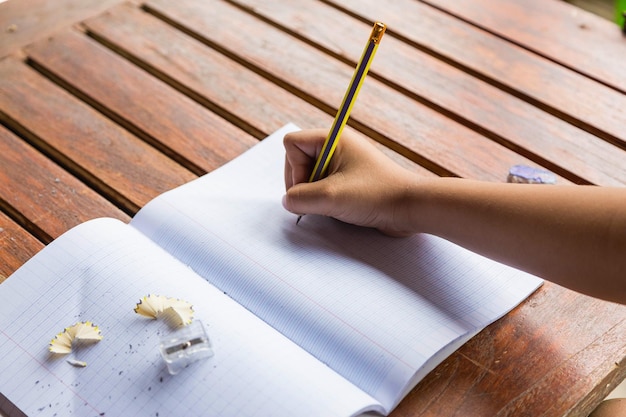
104	105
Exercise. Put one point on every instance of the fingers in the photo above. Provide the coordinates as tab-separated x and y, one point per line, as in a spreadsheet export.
351	162
309	198
362	185
301	149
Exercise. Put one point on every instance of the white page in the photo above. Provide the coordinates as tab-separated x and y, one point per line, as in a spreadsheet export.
98	272
379	310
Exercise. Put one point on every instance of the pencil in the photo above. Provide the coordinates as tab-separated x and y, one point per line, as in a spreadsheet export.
323	159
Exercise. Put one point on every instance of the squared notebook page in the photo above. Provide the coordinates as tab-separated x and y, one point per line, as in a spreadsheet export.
381	311
98	272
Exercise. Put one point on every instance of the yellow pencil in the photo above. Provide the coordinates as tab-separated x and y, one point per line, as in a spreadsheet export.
323	159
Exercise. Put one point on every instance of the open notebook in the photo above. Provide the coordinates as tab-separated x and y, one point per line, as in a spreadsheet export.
318	319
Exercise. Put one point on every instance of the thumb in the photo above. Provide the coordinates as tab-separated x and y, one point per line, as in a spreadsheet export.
308	198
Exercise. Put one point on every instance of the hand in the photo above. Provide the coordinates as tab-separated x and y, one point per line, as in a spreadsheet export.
362	186
571	235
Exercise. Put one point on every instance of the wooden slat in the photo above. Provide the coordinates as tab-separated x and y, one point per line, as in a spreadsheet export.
43	197
24	21
603	8
16	245
196	137
425	135
199	139
487	109
208	77
202	73
119	165
575	98
547	28
551	378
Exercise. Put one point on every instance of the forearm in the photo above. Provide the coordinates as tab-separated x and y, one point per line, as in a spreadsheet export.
574	236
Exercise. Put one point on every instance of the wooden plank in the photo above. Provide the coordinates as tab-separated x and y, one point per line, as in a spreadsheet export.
417	131
44	198
559	31
209	77
24	21
187	132
117	164
569	95
199	139
603	8
202	73
557	144
16	245
531	362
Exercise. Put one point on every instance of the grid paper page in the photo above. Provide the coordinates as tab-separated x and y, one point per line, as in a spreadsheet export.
98	272
379	310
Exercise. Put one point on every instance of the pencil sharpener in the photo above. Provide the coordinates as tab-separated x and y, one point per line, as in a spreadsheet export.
185	346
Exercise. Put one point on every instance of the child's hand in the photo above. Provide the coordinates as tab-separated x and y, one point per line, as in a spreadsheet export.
362	186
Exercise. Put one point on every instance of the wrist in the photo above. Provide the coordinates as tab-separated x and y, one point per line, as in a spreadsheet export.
423	203
406	204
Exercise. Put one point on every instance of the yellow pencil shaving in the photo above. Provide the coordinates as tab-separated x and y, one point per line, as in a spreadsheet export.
85	331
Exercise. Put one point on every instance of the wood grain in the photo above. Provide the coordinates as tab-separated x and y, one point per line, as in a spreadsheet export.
236	93
117	164
172	122
558	145
16	245
249	100
566	34
604	8
579	100
41	196
556	350
396	120
24	21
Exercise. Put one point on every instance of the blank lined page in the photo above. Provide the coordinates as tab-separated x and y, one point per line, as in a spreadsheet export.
379	310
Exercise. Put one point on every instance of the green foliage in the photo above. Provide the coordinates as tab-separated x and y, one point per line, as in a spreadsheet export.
620	9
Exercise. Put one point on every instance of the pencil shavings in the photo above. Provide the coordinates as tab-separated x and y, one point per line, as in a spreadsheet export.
85	331
176	311
77	363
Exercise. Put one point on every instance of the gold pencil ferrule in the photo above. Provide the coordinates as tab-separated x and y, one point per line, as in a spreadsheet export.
378	32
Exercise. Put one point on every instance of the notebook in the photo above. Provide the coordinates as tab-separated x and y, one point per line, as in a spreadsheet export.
316	319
